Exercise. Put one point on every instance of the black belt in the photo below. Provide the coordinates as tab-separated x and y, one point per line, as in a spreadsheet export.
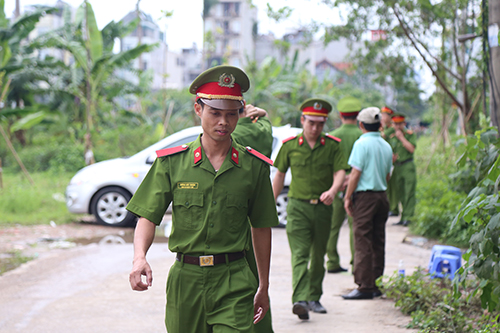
369	191
405	161
210	260
310	201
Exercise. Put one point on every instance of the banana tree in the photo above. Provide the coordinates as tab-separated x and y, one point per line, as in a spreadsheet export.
91	74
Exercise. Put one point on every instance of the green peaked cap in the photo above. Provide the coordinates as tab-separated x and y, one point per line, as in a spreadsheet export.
214	74
349	105
314	101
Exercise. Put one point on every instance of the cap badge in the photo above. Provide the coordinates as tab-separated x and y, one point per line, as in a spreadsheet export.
317	106
226	80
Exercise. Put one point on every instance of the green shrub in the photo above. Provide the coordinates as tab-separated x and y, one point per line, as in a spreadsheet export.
433	307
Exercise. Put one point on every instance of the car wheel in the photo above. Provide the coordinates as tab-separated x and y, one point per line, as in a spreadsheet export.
281	203
108	207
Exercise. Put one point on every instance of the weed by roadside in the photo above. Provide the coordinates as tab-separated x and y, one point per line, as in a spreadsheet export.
21	203
433	307
12	260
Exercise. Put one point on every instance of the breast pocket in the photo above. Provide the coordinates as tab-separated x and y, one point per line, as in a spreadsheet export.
236	211
188	210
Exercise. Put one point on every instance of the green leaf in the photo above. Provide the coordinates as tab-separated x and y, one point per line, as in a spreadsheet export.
94	35
494	222
28	121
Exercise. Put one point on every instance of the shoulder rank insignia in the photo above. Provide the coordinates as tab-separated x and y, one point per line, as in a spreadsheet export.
333	137
260	156
171	151
288	139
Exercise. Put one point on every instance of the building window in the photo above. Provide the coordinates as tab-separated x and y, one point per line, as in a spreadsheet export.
236	27
144	65
226	9
226	27
237	9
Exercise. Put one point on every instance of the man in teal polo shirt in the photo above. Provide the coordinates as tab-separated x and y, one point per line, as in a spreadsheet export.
349	132
215	186
318	169
366	201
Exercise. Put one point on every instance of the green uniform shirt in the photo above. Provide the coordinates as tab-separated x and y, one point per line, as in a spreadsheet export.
312	169
209	209
348	133
397	146
387	132
258	135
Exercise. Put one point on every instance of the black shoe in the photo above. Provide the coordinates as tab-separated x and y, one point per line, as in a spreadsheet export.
399	223
406	223
356	294
377	293
337	270
301	309
393	214
280	225
316	306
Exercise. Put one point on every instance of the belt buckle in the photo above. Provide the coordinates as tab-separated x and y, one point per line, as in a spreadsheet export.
206	261
313	201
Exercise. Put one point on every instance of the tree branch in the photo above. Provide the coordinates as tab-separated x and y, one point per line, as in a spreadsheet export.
438	78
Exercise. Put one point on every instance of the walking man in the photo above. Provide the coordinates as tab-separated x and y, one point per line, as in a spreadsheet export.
349	132
403	142
366	201
215	186
318	169
387	130
255	130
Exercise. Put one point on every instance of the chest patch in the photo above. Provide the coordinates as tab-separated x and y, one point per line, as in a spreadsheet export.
187	185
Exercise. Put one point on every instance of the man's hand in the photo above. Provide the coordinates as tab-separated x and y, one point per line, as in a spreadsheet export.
394	158
260	305
254	112
399	134
327	197
348	206
141	268
344	185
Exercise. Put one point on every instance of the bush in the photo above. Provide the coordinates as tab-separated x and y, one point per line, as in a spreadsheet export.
433	307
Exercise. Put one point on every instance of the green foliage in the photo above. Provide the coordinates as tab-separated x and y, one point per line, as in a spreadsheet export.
280	14
433	307
481	210
21	203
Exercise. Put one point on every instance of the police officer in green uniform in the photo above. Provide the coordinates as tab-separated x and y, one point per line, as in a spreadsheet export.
318	169
403	143
386	131
215	186
255	130
349	132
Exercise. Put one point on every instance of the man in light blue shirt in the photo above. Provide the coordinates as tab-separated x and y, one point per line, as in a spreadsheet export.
366	201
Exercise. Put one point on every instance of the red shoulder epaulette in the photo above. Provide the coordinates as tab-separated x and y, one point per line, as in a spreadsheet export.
259	155
333	137
171	151
288	139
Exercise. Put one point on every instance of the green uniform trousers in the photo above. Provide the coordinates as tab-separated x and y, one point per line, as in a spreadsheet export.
210	299
393	195
338	217
266	323
405	186
307	228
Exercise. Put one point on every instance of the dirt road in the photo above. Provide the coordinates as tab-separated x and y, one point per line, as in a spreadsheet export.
85	289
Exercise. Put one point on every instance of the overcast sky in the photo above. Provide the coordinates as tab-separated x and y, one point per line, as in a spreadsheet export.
185	27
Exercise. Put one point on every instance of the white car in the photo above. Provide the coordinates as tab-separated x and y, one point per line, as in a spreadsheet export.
104	189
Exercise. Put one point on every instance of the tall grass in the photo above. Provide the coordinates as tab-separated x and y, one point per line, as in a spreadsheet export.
21	203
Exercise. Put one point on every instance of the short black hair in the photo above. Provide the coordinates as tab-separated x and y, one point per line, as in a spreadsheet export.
350	117
371	127
200	102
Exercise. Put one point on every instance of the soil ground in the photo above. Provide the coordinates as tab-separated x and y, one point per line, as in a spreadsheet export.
64	254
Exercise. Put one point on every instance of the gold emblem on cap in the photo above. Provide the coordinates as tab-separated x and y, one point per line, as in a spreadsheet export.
226	80
317	106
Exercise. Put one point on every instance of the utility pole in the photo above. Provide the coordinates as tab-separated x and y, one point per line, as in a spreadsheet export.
494	63
17	11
